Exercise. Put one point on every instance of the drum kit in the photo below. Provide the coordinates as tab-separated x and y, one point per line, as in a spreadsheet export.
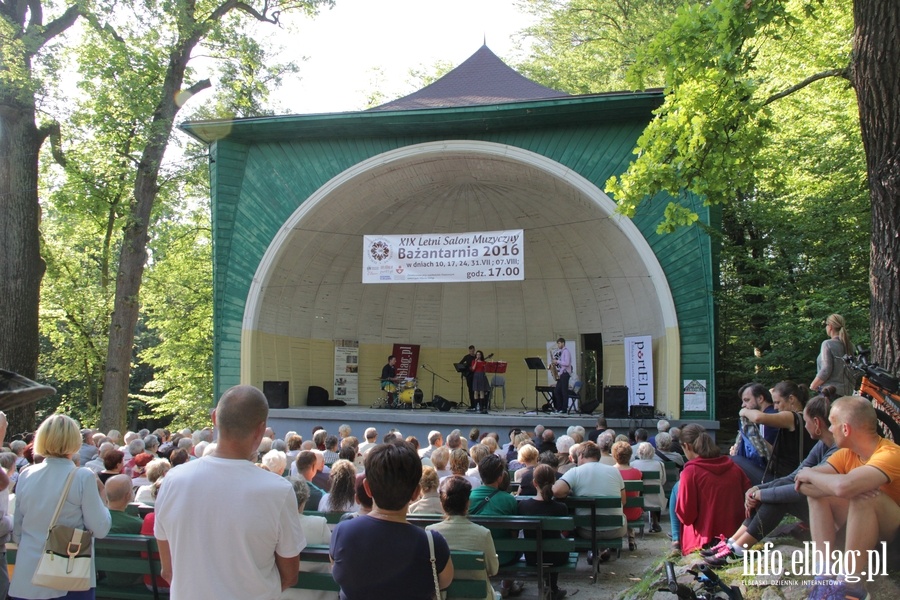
403	394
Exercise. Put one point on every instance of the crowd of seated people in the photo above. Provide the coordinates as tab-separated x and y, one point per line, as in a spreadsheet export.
716	507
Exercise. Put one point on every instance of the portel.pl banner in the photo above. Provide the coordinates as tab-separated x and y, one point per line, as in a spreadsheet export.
639	370
444	257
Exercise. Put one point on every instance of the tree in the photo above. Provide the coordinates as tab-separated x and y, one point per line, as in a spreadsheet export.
178	309
164	49
24	36
588	46
708	137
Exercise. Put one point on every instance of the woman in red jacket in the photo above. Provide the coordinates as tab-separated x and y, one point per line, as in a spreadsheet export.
710	493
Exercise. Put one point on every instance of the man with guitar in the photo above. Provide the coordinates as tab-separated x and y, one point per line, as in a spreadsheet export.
561	366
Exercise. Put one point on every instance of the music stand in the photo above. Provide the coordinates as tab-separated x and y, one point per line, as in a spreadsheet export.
535	363
461	368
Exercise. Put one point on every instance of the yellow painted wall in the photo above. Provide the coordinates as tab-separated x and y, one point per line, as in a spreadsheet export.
306	362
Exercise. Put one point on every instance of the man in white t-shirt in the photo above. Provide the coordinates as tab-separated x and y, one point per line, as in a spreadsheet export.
593	478
226	528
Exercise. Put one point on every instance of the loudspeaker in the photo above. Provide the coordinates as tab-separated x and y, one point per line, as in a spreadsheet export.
316	396
589	406
442	404
615	402
276	393
641	411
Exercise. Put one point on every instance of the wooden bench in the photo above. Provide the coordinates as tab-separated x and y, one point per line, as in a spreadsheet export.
122	555
651	486
545	532
592	521
636	485
465	565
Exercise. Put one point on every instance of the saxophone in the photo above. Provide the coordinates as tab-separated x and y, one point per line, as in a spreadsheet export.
553	370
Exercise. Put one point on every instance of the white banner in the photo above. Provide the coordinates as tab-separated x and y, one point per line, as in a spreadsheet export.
346	371
639	370
444	257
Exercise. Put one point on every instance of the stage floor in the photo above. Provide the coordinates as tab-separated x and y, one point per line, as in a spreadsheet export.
419	422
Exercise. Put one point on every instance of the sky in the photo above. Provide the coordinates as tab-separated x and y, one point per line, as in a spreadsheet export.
348	43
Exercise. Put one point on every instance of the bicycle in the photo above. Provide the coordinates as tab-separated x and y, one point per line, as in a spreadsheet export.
881	388
712	588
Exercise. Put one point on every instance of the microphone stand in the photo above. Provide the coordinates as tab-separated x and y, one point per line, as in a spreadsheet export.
433	375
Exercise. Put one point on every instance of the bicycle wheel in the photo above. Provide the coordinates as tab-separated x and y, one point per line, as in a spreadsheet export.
887	427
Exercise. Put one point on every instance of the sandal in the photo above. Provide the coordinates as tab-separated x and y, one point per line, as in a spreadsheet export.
632	545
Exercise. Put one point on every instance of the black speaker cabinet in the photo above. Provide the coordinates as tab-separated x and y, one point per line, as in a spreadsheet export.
276	393
316	396
641	411
442	404
615	402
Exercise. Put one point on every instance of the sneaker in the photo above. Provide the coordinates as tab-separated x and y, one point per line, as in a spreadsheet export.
714	549
723	557
829	588
558	594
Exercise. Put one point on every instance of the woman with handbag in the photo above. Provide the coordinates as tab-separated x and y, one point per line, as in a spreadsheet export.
57	495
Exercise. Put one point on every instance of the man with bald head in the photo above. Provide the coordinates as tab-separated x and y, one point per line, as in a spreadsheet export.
857	488
227	529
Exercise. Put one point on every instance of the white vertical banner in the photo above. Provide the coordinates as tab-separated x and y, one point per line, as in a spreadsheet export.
346	371
639	370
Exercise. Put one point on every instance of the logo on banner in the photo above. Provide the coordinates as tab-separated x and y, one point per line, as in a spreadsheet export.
379	250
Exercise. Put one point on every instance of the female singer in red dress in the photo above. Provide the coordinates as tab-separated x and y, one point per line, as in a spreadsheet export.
480	384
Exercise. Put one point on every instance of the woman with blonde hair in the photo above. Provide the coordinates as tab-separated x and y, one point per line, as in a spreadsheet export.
37	494
830	361
429	502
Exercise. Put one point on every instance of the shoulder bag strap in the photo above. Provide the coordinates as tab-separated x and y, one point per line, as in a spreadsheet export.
434	573
62	499
483	503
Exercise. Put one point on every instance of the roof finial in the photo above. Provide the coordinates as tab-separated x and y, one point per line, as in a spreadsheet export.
484	41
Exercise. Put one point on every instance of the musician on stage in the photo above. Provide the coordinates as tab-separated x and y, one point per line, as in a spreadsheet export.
562	360
467	360
479	384
389	378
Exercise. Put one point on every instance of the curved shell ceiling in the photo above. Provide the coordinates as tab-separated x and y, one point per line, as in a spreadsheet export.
582	274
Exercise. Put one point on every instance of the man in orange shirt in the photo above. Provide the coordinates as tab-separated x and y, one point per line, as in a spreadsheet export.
860	481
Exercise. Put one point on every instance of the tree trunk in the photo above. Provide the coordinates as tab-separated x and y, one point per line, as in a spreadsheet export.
133	257
876	78
21	265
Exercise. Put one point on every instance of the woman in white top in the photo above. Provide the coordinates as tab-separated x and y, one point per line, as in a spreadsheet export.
647	463
37	494
316	532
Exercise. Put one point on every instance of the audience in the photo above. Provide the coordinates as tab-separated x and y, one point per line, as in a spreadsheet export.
857	489
646	462
710	493
753	447
593	478
545	504
768	503
342	496
460	532
393	472
429	501
621	451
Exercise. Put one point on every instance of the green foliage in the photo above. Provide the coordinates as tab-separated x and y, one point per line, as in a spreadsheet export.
758	119
588	46
177	305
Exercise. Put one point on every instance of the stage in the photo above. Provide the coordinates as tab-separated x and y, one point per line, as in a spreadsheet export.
419	422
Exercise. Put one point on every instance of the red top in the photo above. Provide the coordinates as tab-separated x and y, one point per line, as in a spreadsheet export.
478	366
710	500
631	474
